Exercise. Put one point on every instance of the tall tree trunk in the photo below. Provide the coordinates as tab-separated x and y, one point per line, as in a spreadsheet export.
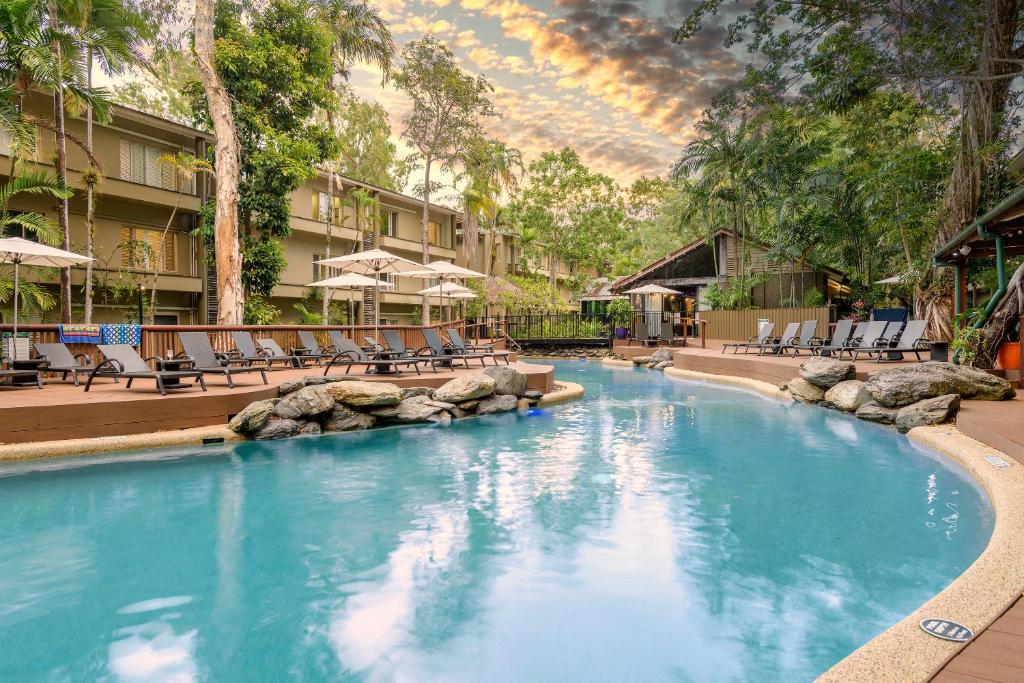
470	235
228	257
90	201
425	305
61	163
327	247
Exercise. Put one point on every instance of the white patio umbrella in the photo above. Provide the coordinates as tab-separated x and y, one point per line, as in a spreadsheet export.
349	281
445	289
445	270
20	252
648	290
375	262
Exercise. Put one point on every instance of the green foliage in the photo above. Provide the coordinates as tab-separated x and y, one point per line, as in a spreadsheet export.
366	151
620	312
263	262
535	295
967	345
735	295
307	316
813	298
259	311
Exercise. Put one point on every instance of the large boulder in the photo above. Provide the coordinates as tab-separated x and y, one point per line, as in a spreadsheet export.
873	412
826	372
641	360
306	402
253	417
278	429
343	419
497	404
465	388
895	387
507	380
931	411
412	409
802	390
359	393
661	355
310	428
290	386
662	365
409	392
534	394
848	395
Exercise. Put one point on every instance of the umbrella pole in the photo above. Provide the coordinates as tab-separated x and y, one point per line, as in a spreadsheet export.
14	338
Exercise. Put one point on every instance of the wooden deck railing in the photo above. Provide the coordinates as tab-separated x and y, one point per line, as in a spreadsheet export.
162	340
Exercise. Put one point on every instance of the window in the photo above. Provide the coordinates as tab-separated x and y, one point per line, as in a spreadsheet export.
140	249
5	142
323	272
389	223
141	164
388	279
440	236
321	208
165	319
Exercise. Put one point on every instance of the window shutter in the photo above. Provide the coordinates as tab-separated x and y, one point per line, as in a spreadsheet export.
126	160
152	167
166	176
170	251
138	163
126	251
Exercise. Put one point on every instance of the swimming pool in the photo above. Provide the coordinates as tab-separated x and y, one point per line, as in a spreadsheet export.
657	530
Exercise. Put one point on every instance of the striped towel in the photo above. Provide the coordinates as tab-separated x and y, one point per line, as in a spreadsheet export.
127	333
80	334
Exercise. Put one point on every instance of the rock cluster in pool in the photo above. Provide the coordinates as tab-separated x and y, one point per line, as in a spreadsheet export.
316	404
909	396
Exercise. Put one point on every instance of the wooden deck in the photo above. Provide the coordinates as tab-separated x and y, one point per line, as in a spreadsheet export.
995	655
64	411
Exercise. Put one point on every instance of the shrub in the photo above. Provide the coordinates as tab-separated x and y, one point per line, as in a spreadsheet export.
620	312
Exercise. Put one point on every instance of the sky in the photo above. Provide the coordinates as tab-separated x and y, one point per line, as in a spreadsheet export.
602	76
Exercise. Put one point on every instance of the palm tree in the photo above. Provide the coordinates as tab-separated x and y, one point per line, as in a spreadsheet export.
490	168
360	33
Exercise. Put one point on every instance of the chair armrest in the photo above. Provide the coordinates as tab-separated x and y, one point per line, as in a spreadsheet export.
298	350
158	359
184	359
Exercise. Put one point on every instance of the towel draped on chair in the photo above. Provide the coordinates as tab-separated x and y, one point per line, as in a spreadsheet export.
122	333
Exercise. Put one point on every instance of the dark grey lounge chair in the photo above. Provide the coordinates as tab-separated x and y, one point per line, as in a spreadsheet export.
447	353
460	345
396	345
312	348
274	349
912	340
20	378
199	353
837	342
123	360
59	358
642	334
245	348
805	342
789	336
764	336
668	333
349	355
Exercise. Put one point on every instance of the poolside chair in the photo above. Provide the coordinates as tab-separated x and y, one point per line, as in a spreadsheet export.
59	358
245	348
868	341
789	336
20	378
641	333
122	360
199	353
912	340
396	346
275	351
460	345
764	336
806	341
837	342
313	349
447	353
372	344
350	355
668	333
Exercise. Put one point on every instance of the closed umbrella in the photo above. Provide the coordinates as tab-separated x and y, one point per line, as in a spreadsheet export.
18	251
445	270
375	262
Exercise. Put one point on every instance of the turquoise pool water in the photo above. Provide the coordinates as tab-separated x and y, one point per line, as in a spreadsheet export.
657	531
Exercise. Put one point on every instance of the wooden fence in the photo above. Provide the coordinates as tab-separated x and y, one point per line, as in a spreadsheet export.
740	325
162	340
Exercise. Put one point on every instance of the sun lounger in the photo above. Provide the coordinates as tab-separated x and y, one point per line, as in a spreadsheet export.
873	331
642	334
245	348
912	340
59	358
396	346
460	345
668	333
837	342
349	355
806	341
789	336
312	348
448	353
199	353
20	378
276	352
123	360
764	336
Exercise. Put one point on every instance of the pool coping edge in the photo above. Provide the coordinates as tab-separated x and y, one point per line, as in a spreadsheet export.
976	598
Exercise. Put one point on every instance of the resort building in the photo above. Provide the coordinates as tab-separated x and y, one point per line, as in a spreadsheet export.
139	197
690	269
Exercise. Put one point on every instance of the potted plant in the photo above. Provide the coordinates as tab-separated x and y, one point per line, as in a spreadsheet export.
620	312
